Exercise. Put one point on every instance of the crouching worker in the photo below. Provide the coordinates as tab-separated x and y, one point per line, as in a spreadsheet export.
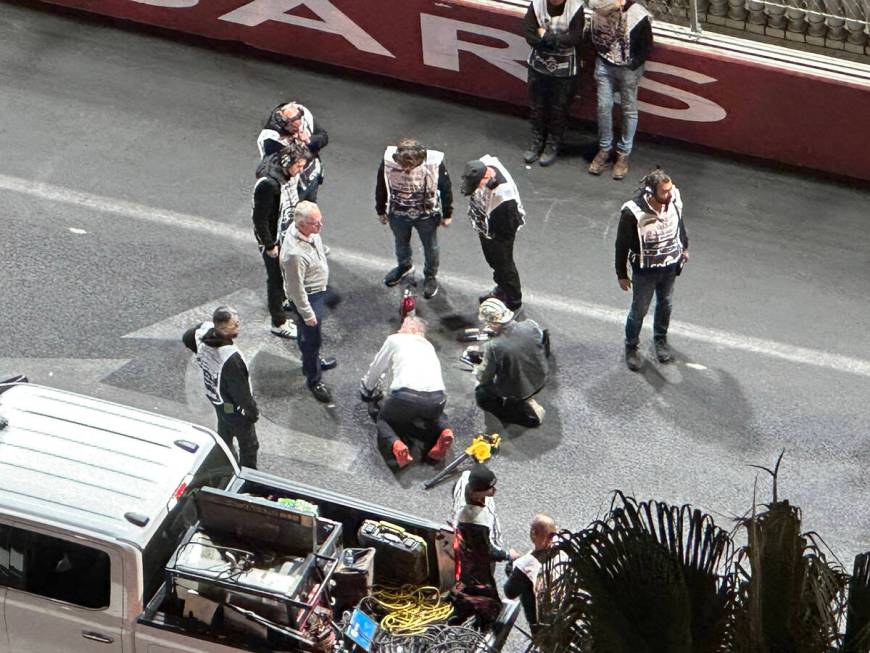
525	581
513	366
413	409
477	546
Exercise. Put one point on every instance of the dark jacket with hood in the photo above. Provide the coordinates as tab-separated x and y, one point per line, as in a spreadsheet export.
235	386
267	200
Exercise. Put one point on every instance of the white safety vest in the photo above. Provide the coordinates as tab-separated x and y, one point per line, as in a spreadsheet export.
465	513
558	61
312	171
485	200
211	361
274	135
413	194
658	235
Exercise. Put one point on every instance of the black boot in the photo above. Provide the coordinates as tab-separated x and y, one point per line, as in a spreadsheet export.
551	151
535	146
536	118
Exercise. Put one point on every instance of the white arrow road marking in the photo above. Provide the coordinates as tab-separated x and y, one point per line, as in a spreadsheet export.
714	337
255	337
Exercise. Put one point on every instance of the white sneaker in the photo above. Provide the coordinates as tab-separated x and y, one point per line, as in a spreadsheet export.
537	409
286	330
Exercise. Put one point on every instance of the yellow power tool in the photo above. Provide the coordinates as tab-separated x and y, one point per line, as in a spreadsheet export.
481	449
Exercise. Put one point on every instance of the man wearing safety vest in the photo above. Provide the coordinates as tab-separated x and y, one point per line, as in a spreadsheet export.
554	30
413	192
227	382
525	581
496	213
652	237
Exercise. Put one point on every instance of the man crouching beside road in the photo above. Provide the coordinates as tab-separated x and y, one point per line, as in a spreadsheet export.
415	402
306	275
513	366
227	383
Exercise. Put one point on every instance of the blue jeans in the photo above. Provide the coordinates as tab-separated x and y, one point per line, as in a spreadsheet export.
309	339
660	282
610	80
427	229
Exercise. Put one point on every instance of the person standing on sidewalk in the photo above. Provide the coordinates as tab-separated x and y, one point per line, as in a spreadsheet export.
413	191
496	214
227	382
622	35
306	276
275	198
414	406
554	30
652	237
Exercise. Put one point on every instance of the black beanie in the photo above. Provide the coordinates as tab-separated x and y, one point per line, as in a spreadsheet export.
480	478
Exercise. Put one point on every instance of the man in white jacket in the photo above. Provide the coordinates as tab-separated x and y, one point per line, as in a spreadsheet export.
414	406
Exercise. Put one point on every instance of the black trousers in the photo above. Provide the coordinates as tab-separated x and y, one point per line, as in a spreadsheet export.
409	415
274	289
230	425
550	101
499	255
510	411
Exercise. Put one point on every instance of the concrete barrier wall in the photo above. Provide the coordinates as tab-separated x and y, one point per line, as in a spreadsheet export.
690	93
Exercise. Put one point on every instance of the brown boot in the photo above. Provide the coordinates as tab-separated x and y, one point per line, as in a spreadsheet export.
620	168
600	162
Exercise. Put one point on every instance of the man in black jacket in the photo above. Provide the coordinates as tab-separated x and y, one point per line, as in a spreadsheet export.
413	191
226	379
622	35
496	214
554	29
477	546
275	198
290	122
652	237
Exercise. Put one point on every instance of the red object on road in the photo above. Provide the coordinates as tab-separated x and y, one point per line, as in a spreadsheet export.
408	305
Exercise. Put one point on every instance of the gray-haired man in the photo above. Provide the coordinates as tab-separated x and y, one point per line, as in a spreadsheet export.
306	275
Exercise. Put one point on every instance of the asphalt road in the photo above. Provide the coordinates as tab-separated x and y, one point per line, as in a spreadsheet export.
125	177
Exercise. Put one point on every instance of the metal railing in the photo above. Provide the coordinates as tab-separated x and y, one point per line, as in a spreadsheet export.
839	26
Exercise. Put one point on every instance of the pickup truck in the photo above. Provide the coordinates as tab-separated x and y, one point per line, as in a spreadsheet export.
100	505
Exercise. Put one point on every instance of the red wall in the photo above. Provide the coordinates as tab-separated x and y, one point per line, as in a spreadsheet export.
696	96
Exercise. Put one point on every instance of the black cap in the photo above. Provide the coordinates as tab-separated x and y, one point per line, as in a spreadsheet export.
481	478
474	171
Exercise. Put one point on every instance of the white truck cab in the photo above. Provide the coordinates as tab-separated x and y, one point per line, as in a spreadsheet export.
97	499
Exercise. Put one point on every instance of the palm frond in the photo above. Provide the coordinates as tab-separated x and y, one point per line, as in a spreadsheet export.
793	595
645	579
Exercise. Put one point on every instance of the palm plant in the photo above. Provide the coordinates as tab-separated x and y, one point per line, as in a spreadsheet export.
654	578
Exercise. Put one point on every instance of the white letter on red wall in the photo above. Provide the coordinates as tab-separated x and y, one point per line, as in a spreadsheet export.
441	45
331	20
699	109
171	4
